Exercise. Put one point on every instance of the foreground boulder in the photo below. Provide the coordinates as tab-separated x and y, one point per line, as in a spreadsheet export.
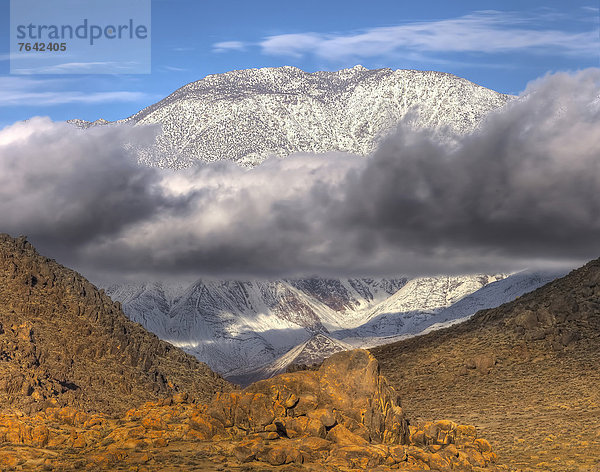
346	392
342	417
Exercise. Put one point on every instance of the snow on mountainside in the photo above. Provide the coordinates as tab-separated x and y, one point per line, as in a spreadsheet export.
415	303
314	351
147	303
497	293
393	321
347	298
243	328
239	325
249	115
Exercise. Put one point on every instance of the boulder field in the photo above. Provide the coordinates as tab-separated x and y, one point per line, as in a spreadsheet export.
343	417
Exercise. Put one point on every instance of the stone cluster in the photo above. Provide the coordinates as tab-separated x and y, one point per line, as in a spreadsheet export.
342	417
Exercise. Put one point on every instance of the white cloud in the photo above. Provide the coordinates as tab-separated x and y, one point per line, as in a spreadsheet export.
229	46
21	91
295	45
480	32
79	68
175	69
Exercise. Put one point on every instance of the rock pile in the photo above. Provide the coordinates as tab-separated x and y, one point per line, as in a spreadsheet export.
342	417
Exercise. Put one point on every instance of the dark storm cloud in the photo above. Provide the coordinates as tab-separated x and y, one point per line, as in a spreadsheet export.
525	185
65	187
523	190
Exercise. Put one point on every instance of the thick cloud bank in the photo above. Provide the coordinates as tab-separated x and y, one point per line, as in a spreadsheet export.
524	190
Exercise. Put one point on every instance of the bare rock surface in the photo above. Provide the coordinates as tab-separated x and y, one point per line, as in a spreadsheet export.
343	417
65	343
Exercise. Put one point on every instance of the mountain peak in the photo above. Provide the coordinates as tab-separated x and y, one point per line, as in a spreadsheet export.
249	115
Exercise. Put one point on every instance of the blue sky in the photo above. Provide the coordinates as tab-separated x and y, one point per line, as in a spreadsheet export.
499	44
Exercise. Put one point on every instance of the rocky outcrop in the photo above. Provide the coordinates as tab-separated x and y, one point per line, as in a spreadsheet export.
342	417
346	393
559	314
63	342
71	364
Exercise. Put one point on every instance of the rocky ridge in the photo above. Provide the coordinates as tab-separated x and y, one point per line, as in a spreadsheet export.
63	342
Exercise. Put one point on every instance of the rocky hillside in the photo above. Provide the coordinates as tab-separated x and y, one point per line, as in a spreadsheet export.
343	417
63	342
526	372
249	115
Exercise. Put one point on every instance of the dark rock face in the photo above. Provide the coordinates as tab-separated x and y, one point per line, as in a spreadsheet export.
62	342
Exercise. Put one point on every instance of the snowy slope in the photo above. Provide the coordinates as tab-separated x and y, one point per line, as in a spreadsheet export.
347	298
236	326
414	304
497	293
242	324
313	351
147	303
391	323
249	115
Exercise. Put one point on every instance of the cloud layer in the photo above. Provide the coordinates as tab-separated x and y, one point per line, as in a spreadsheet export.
521	191
486	32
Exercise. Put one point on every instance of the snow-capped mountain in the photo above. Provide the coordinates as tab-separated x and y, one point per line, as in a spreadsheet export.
249	115
242	329
255	328
415	303
347	299
147	303
401	316
242	324
497	293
